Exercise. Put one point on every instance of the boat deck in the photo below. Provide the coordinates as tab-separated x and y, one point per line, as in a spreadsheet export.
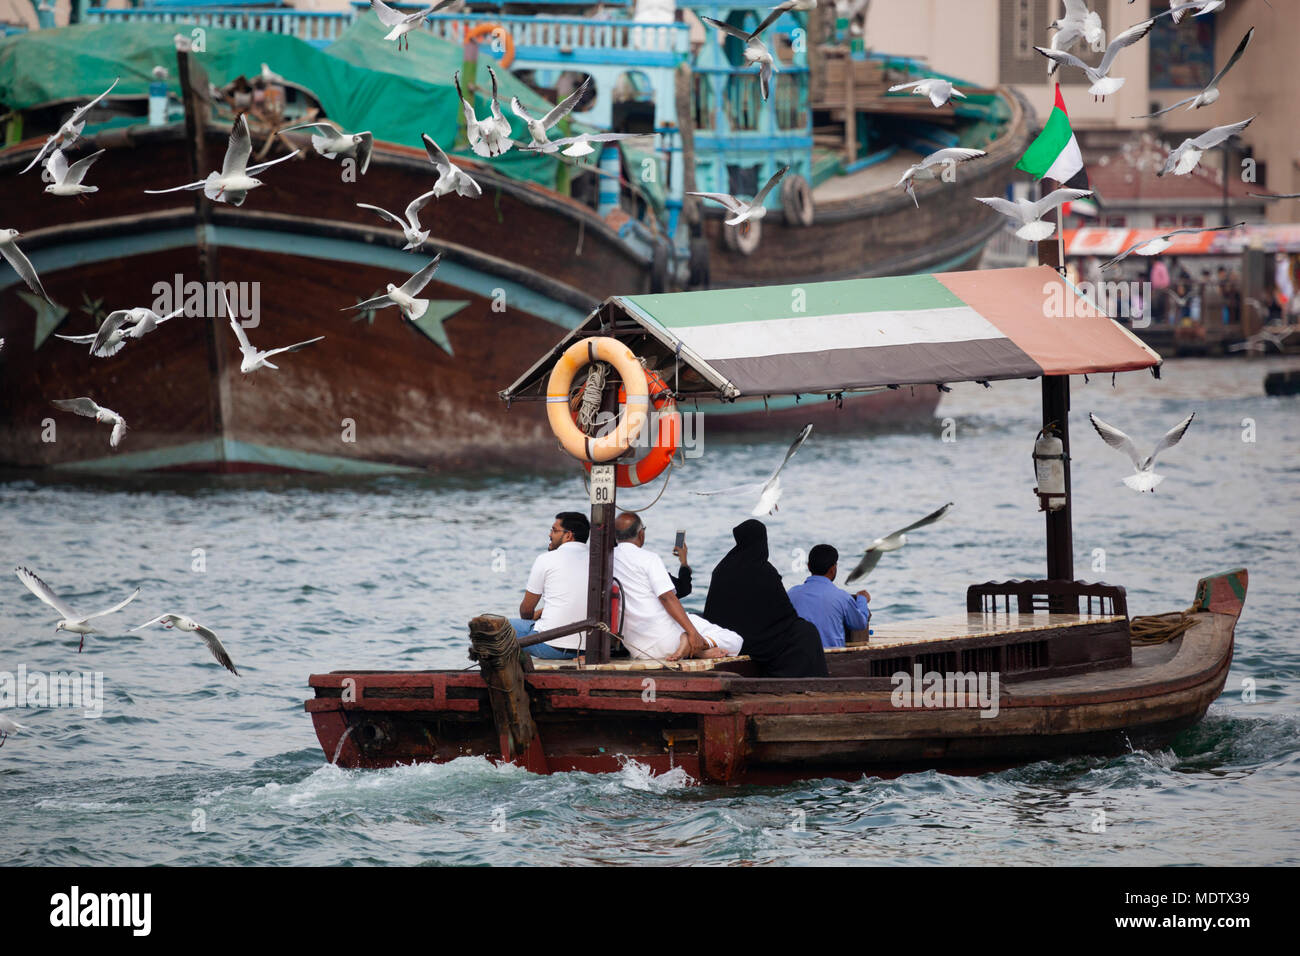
891	634
882	175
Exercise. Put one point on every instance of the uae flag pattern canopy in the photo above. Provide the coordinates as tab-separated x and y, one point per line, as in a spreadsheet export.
1055	153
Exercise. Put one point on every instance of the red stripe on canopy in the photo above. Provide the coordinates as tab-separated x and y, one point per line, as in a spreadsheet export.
1059	330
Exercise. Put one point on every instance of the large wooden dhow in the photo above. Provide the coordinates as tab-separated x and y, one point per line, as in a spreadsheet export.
1028	670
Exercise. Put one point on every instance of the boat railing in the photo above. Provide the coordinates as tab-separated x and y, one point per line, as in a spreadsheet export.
315	27
1046	595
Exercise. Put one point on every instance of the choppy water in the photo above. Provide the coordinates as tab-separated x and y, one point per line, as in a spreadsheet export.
307	575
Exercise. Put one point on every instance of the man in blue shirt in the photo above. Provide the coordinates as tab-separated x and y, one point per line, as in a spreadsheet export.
834	612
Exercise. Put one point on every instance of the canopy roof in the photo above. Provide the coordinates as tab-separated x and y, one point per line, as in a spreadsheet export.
860	335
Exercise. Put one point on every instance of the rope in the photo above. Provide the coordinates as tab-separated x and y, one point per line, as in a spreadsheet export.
1160	628
591	397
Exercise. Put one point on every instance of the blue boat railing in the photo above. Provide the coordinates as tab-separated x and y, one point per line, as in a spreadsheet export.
318	28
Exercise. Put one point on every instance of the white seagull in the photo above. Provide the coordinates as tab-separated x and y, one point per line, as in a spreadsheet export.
939	91
1145	478
488	137
1103	84
1180	8
769	491
1211	92
7	727
579	145
928	168
410	226
88	408
22	265
67	134
124	324
1275	195
235	180
890	542
336	143
1153	247
537	127
71	621
404	296
756	52
1030	214
401	24
183	623
1184	159
66	180
451	178
751	211
254	358
1079	23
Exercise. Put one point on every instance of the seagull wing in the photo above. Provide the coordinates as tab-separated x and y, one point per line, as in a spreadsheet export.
77	171
931	518
1130	36
772	17
790	452
727	28
1076	10
216	647
864	567
79	339
115	608
111	324
415	205
378	302
23	266
238	149
292	348
1116	439
1276	195
254	170
905	86
41	153
81	406
387	15
521	111
562	109
1212	138
319	125
776	178
364	149
436	155
81	111
1005	206
57	166
1056	197
383	212
753	488
1168	109
175	189
952	155
244	344
42	591
1063	58
160	619
413	285
731	202
1124	255
1232	60
1173	436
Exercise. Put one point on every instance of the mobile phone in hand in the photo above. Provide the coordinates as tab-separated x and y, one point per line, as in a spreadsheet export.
681	540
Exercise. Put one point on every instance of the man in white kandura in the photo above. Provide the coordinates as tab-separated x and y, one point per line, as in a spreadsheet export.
559	579
655	625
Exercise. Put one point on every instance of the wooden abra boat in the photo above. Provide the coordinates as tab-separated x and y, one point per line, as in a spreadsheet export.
1031	670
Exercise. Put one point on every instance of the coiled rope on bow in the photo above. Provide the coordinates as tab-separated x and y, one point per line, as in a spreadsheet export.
1160	628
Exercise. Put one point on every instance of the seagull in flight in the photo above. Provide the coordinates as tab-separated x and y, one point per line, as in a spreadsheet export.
1211	92
579	145
401	24
410	226
236	178
121	325
88	408
1145	478
537	127
769	491
928	167
66	180
335	143
8	726
1079	23
254	358
1179	8
745	212
71	621
22	265
451	178
180	622
67	134
756	52
939	91
1153	247
487	137
1103	84
1030	215
890	542
404	296
1184	159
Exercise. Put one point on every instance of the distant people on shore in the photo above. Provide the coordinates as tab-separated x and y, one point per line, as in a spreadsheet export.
834	612
746	596
558	580
655	625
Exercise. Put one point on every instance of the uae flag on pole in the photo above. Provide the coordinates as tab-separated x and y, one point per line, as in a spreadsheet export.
1055	153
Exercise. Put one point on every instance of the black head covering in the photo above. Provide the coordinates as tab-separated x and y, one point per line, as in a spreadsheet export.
746	596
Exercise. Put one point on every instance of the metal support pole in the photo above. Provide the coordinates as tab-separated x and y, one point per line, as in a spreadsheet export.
1056	413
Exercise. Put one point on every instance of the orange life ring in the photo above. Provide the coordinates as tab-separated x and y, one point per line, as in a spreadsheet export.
667	438
494	30
637	399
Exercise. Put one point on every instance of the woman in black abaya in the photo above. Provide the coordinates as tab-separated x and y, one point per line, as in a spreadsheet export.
746	595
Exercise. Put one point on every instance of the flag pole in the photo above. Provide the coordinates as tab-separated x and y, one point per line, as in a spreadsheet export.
1056	414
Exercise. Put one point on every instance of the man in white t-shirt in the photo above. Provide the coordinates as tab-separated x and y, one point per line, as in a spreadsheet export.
655	625
558	578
